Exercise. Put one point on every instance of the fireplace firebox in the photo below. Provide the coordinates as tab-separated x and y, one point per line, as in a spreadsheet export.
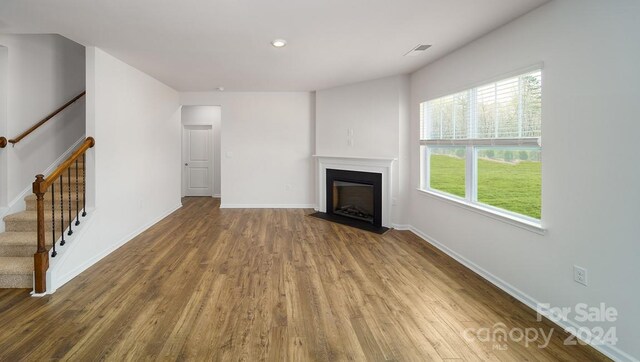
355	195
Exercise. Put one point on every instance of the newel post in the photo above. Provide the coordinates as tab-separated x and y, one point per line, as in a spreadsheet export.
41	257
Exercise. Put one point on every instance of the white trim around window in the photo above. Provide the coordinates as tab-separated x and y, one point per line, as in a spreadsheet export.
505	216
503	116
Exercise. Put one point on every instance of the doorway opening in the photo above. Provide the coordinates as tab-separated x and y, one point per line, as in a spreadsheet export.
201	151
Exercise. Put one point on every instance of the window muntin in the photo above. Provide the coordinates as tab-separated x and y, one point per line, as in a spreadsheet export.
491	135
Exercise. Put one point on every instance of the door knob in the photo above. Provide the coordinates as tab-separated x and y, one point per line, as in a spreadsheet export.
186	164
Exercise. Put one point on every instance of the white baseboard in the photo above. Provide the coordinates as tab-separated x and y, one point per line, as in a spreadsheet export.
267	206
401	226
17	204
217	196
57	282
608	350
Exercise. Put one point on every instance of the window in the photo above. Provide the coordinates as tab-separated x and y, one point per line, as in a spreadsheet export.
482	146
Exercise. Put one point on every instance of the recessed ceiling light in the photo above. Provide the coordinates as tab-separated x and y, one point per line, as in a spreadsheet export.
279	43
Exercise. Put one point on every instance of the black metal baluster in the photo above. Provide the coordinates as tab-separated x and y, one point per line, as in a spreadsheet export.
53	219
70	210
77	198
84	185
62	226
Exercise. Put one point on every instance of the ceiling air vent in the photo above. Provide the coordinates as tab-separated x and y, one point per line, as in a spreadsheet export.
419	49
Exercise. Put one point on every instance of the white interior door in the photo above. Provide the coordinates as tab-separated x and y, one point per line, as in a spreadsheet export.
198	161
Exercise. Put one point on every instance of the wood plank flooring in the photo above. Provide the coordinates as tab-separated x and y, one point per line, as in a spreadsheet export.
208	284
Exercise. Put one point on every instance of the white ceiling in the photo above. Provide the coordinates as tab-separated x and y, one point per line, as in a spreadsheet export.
198	45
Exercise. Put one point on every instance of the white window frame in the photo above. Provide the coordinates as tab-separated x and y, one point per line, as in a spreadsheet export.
471	145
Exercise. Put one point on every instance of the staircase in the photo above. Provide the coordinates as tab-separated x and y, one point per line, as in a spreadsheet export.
50	215
19	242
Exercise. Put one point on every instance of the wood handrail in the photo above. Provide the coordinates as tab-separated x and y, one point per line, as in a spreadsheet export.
47	181
24	134
3	142
40	187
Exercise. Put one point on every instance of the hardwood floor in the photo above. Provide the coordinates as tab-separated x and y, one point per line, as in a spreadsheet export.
211	284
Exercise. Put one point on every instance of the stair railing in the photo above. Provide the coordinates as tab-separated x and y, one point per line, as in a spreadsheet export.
40	187
24	134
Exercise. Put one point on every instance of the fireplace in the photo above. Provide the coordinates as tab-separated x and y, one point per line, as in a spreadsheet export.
355	191
355	195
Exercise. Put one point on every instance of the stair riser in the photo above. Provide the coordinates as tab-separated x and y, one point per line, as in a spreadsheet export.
23	226
65	194
18	250
16	219
32	204
28	225
65	187
65	181
22	250
16	280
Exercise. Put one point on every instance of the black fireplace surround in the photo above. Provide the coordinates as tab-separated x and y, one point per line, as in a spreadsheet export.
360	207
354	198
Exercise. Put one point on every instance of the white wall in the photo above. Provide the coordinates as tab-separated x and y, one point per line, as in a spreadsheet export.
44	72
207	116
4	78
377	112
267	143
591	198
135	165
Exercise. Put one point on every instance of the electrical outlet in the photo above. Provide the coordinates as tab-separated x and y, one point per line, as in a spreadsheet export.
580	275
288	187
350	142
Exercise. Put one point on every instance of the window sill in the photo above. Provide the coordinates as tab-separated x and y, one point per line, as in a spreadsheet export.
494	214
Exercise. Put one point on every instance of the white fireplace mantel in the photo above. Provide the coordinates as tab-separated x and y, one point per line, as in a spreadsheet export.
379	165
